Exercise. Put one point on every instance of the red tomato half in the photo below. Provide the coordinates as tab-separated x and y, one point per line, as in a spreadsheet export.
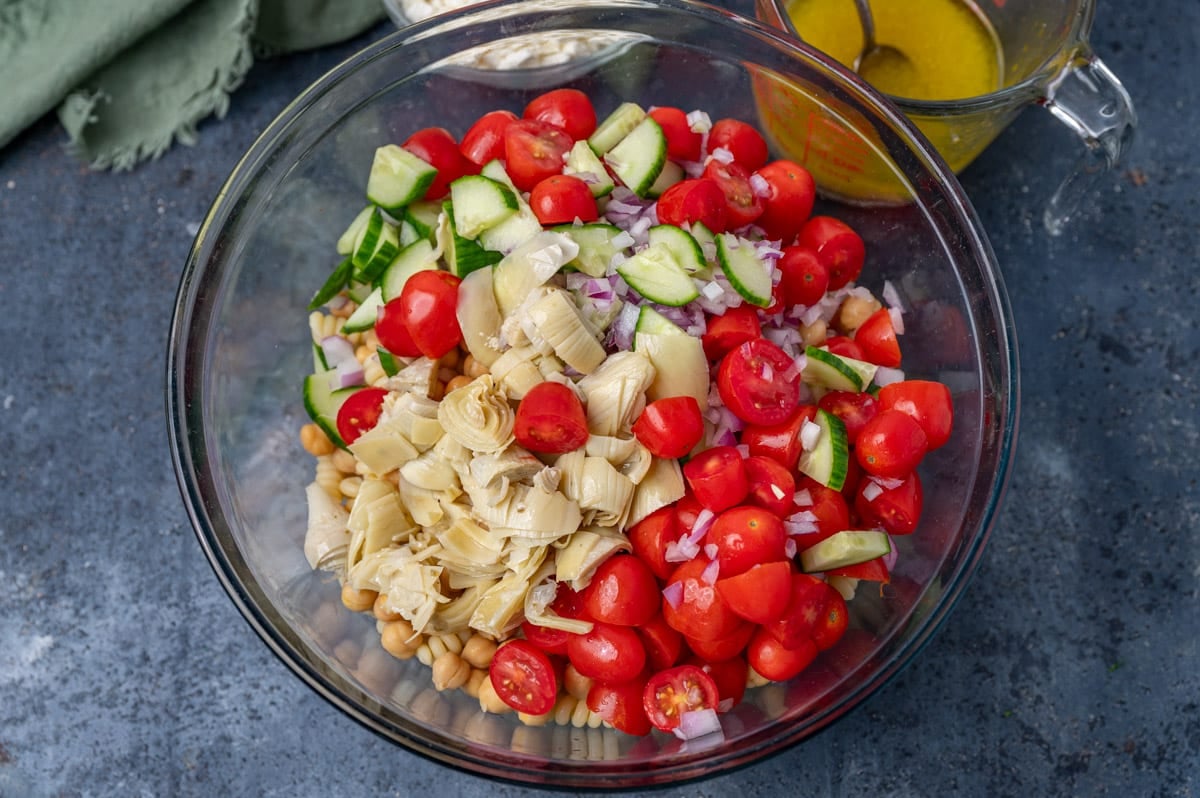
760	594
623	592
569	109
621	705
855	409
789	202
730	330
729	675
683	144
842	346
484	141
780	442
891	445
393	333
742	206
429	307
663	644
724	647
672	692
869	571
759	383
929	403
803	276
608	653
896	509
700	613
828	505
524	677
560	199
437	147
533	151
837	245
771	659
550	419
877	339
772	486
650	536
359	413
717	477
747	145
807	613
670	427
693	200
746	536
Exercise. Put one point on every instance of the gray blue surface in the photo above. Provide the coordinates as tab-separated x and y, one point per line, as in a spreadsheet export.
1069	668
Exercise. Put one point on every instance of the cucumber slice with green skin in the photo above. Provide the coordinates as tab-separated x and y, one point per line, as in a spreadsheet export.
656	275
322	402
417	256
638	159
747	272
408	233
596	247
464	255
671	174
346	242
379	243
703	235
495	170
397	178
390	363
681	368
582	161
359	291
828	460
835	372
319	361
334	283
683	246
616	126
479	204
423	216
363	318
509	234
849	547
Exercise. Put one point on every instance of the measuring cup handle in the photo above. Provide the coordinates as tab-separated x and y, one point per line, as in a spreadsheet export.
1088	98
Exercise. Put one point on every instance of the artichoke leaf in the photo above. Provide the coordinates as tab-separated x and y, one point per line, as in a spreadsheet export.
466	543
513	464
478	415
529	266
326	539
431	472
605	492
412	585
662	484
423	505
614	449
535	513
557	321
616	392
455	615
479	316
541	596
384	447
576	562
416	378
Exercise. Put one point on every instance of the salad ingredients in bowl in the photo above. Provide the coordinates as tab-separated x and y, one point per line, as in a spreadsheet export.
608	426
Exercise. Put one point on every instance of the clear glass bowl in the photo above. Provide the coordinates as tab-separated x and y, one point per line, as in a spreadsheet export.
239	350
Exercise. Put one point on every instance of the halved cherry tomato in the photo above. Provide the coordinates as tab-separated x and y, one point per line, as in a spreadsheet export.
560	199
877	339
745	536
804	613
437	147
650	536
896	509
569	109
730	330
828	505
780	442
837	245
683	143
550	419
429	305
623	592
854	408
687	510
670	427
832	623
663	644
567	604
789	201
524	677
729	675
359	413
612	654
742	205
693	200
717	477
700	613
672	692
854	475
869	571
484	140
393	333
723	647
747	145
621	705
803	276
891	445
771	659
842	346
760	594
759	382
929	403
533	151
772	486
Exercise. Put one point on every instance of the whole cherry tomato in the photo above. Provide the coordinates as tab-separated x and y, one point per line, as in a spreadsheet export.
745	536
609	653
560	199
569	109
670	427
429	305
693	200
484	140
392	331
717	477
772	659
891	445
929	403
747	145
837	245
700	612
623	592
803	276
788	203
533	151
550	419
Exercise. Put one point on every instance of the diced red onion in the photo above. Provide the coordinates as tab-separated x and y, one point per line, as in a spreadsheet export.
743	450
889	559
803	498
776	491
704	520
810	433
348	373
639	228
591	178
722	155
697	723
801	523
768	373
622	240
709	575
712	290
681	550
897	320
620	333
789	548
337	302
337	350
886	376
887	483
872	491
692	169
673	594
711	551
891	296
759	185
699	122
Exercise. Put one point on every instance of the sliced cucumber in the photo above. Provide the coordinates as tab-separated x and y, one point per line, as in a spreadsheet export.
529	266
681	368
829	458
616	126
319	361
363	318
656	275
479	204
359	291
596	247
703	236
322	402
346	242
683	246
509	234
334	283
462	255
379	243
397	178
423	216
747	272
671	174
582	161
849	547
638	159
835	372
417	256
494	170
390	364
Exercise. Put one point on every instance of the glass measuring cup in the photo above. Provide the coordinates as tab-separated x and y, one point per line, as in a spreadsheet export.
1044	58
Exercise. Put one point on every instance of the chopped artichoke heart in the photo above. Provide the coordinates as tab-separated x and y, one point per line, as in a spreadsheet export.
479	316
501	608
637	465
529	266
514	464
423	505
570	469
605	492
612	448
384	447
478	416
465	541
413	587
541	596
431	472
558	321
416	378
326	539
616	392
662	485
587	548
539	514
455	615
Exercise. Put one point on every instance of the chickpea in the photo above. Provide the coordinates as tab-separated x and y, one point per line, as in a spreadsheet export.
344	461
473	368
381	612
853	312
363	352
397	639
348	652
477	678
315	441
344	311
358	600
814	334
575	683
450	671
478	651
450	360
437	390
489	701
457	382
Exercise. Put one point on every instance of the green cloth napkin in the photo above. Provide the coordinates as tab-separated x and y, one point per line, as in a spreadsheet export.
130	77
